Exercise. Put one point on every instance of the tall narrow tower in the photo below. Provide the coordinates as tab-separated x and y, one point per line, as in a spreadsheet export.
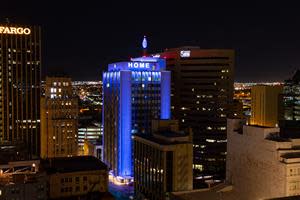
20	77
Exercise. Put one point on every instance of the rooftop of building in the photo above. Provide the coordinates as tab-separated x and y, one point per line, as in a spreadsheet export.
194	48
171	134
166	137
84	124
291	155
286	198
72	164
221	191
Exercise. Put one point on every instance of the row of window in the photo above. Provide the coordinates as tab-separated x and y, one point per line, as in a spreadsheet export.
69	180
70	189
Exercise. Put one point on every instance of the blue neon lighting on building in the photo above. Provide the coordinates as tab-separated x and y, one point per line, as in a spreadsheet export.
125	153
165	93
125	85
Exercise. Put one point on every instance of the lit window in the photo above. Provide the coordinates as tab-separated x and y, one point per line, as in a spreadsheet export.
107	84
197	166
210	140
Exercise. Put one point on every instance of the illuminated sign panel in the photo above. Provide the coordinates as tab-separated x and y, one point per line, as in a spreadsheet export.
136	66
185	54
14	30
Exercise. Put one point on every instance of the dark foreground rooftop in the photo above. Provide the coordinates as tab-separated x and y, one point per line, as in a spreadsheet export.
287	198
72	164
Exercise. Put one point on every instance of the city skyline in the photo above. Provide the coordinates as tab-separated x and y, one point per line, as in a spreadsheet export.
92	36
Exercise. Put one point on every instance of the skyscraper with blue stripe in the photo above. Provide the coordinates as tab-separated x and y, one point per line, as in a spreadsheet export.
135	92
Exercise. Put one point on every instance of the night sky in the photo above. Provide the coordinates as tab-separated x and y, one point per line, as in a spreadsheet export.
80	39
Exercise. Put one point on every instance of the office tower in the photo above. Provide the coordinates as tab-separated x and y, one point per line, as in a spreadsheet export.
202	94
135	92
260	163
59	115
264	105
20	77
163	161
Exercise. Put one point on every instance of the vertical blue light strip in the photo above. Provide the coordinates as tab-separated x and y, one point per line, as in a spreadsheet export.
103	107
125	154
165	94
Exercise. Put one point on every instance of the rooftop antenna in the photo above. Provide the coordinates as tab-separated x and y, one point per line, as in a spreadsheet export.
144	44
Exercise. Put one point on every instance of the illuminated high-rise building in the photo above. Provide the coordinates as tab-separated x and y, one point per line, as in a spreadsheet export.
201	96
59	115
20	77
135	92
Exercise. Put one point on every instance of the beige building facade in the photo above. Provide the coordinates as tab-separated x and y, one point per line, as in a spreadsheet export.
59	117
261	164
264	105
163	161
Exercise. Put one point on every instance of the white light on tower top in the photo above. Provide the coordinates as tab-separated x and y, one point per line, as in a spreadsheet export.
144	43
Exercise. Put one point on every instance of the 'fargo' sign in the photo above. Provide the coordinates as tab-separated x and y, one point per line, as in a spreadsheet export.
14	30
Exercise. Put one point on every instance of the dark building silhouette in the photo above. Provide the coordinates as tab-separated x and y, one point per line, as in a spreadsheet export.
201	98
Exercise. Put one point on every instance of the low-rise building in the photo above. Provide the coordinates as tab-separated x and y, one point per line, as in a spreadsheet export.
90	135
162	161
77	176
22	180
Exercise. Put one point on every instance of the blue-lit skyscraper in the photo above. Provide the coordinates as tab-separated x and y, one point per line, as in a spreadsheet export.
135	92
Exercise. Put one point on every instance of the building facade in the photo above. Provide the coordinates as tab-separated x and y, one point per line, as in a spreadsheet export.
78	176
135	92
264	105
163	161
59	116
22	180
20	77
260	163
201	96
90	133
290	109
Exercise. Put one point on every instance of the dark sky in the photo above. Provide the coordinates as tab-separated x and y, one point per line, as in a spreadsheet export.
82	38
